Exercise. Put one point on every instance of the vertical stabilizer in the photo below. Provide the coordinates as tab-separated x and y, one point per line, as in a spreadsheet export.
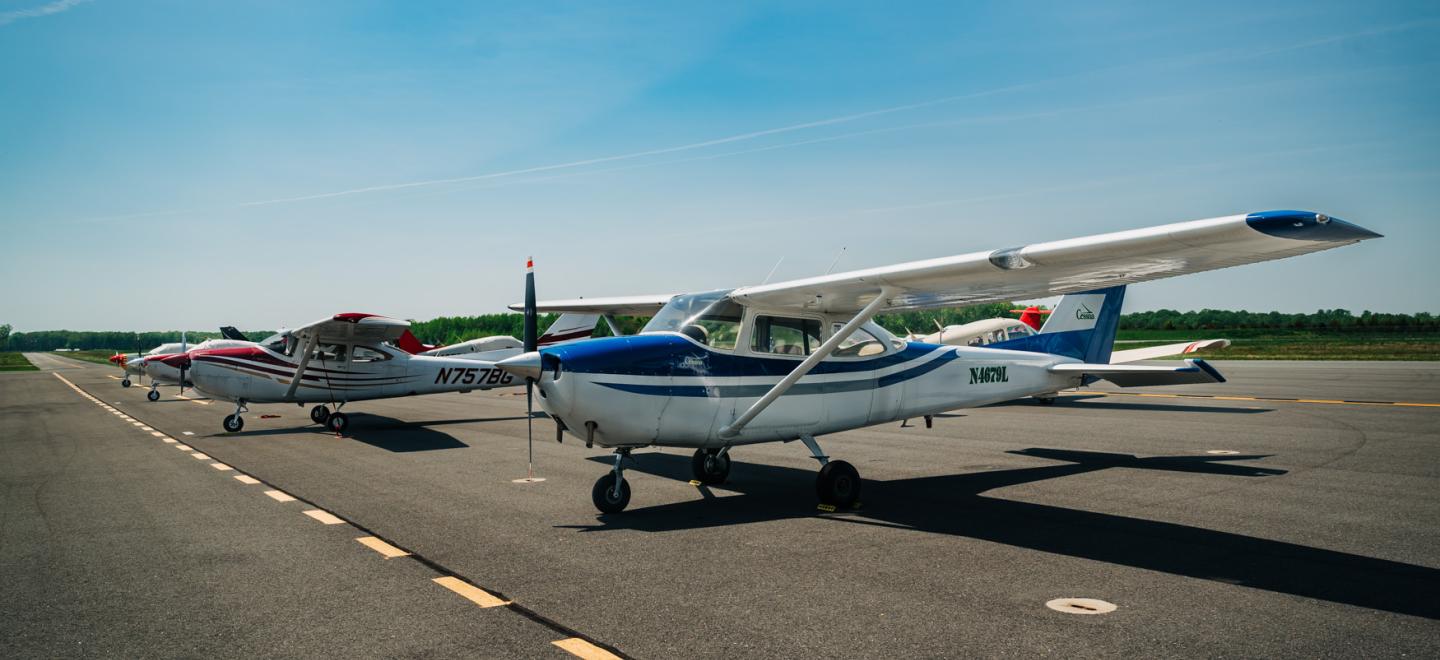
1082	326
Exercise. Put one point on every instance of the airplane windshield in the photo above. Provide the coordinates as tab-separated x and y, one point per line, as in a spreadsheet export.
709	318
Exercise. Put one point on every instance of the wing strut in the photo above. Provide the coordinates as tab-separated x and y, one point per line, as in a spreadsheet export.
309	348
864	315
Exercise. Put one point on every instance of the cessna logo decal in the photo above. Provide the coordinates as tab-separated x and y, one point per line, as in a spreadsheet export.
988	375
472	376
1084	313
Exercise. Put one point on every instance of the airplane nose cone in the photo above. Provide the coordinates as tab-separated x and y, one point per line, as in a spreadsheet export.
524	365
178	360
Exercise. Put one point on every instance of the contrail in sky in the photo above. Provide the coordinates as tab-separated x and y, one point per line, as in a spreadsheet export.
56	7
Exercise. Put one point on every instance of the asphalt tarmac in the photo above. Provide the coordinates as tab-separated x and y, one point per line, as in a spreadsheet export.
1297	516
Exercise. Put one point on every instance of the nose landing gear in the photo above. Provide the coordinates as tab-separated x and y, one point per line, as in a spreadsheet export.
233	423
611	493
154	393
126	382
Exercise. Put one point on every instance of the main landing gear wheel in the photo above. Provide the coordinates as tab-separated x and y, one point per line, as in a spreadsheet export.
838	484
607	498
710	466
153	395
1045	400
337	422
125	383
233	423
320	415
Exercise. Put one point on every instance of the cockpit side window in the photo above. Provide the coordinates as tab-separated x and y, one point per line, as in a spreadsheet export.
330	353
710	318
785	336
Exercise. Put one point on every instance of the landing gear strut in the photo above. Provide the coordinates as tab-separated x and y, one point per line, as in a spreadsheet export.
838	483
710	466
611	493
234	423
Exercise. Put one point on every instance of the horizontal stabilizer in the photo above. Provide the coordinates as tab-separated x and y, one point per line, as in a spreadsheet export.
1140	375
1154	352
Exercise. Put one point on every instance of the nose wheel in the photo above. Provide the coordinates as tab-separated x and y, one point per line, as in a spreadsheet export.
233	423
710	466
611	493
153	394
320	415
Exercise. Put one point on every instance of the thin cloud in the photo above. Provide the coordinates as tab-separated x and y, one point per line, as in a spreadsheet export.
56	7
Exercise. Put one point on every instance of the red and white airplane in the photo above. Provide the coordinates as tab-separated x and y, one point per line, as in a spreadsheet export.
353	357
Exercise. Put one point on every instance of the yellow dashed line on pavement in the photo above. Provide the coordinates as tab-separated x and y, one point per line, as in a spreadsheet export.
583	649
324	516
279	496
1333	402
470	592
385	549
246	479
221	466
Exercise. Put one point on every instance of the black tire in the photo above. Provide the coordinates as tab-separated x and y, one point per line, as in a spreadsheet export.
338	422
603	494
710	467
320	415
153	395
1045	400
233	423
125	383
838	484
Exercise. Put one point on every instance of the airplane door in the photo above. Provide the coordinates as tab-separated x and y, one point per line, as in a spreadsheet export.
783	343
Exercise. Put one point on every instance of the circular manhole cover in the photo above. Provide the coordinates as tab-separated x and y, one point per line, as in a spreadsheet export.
1081	606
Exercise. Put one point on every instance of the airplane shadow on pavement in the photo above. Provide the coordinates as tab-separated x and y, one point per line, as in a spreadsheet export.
386	433
956	505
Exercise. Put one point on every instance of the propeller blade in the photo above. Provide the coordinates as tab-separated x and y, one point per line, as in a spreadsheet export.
529	331
531	341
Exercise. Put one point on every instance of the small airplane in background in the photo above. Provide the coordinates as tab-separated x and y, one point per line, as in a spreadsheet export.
352	357
795	360
148	363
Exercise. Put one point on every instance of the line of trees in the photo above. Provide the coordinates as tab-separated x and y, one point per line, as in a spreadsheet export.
455	329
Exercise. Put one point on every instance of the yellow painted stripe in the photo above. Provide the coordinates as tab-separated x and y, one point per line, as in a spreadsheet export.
279	496
1331	402
200	456
389	551
324	516
583	649
221	466
246	479
1420	405
470	592
114	377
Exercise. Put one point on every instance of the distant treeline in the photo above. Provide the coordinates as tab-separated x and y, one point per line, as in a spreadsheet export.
455	329
1325	319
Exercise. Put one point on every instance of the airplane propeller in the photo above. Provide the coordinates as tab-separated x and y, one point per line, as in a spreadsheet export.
184	348
529	337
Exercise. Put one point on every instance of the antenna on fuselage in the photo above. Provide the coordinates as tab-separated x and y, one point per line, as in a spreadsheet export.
773	269
834	261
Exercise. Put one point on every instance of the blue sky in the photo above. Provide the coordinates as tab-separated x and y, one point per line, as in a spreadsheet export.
192	164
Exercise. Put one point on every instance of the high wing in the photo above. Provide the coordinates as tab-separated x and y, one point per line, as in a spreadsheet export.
1066	266
350	327
614	306
1153	352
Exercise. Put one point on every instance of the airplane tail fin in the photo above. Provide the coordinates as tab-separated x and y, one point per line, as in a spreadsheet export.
1082	326
410	344
569	327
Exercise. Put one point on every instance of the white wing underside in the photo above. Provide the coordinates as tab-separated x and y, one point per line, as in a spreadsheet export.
1041	269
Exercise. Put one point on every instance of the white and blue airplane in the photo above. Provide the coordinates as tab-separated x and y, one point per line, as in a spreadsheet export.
796	360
